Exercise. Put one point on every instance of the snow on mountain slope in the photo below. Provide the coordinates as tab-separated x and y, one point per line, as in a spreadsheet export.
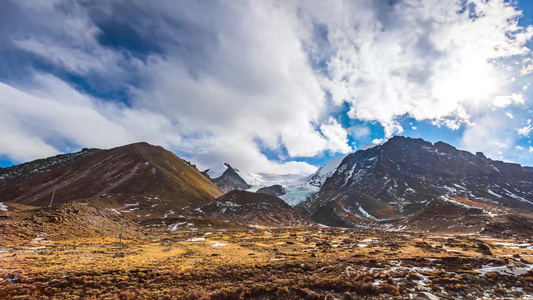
250	178
297	189
296	186
217	171
319	177
328	169
399	177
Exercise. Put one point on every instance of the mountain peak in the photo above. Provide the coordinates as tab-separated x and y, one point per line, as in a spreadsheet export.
128	174
399	140
231	180
401	176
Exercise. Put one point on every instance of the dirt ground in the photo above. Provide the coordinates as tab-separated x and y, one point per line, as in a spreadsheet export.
202	262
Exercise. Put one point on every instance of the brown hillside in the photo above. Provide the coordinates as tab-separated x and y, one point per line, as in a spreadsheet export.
136	173
455	214
64	221
251	208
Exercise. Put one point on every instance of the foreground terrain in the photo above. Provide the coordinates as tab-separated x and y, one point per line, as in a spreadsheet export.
199	259
138	222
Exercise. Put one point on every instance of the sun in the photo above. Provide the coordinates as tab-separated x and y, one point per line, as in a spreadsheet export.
475	82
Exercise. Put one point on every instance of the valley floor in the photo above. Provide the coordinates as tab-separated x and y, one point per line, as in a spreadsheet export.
261	263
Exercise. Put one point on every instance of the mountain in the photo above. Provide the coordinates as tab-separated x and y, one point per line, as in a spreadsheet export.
250	208
274	190
328	169
301	189
455	214
401	176
229	180
325	171
218	170
297	189
138	177
19	173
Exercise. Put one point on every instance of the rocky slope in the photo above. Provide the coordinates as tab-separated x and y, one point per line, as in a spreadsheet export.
324	172
64	221
250	208
274	190
230	180
455	214
399	177
19	173
137	177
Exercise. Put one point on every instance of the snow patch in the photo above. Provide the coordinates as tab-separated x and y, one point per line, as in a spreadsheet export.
505	270
217	244
493	193
175	226
196	239
514	196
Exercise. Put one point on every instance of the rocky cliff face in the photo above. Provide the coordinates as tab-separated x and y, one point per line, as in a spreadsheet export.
401	176
230	180
274	190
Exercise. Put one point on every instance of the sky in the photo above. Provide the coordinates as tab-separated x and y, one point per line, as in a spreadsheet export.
267	86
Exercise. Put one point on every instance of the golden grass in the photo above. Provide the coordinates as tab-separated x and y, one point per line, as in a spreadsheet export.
288	263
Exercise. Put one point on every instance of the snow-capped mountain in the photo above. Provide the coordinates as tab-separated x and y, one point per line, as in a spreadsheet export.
230	179
403	175
297	188
250	178
324	172
328	169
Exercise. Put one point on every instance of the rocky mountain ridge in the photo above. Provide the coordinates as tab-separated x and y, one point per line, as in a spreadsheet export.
135	177
250	208
401	176
274	190
21	172
230	180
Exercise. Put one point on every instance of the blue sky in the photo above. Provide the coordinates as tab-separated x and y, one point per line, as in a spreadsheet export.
268	86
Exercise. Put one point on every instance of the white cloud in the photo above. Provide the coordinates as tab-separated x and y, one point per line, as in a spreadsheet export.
489	136
360	131
234	79
60	112
506	100
525	130
518	148
64	114
74	60
337	137
420	58
261	86
509	115
530	149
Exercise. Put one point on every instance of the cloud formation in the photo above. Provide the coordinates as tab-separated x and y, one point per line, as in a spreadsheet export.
425	59
258	84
